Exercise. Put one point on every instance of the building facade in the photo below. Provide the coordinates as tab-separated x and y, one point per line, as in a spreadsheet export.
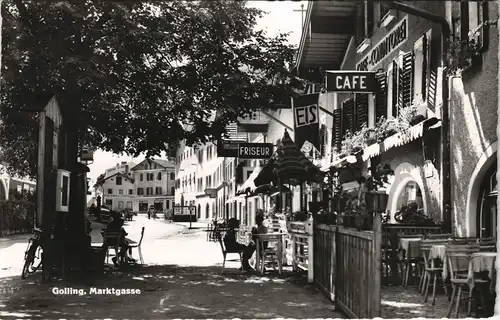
406	53
149	183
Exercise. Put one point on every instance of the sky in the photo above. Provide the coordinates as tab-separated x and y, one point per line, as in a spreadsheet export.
280	18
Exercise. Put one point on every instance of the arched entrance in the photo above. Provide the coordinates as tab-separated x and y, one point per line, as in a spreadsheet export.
486	222
207	211
199	211
478	182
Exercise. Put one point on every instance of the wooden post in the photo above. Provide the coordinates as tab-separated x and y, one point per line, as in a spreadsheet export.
377	264
310	252
294	252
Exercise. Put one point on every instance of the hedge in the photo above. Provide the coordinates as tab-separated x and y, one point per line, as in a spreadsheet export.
16	216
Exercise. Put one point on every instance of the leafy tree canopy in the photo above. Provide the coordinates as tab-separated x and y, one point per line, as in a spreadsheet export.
136	75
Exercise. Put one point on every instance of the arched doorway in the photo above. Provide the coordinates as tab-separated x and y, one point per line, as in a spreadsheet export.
199	211
486	222
410	194
207	211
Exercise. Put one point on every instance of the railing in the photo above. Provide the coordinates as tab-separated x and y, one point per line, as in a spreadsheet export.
301	240
347	267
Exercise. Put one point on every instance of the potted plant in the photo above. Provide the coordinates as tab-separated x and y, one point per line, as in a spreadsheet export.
463	54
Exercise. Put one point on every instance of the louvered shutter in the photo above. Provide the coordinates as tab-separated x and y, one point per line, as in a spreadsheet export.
348	116
361	110
405	82
360	22
337	130
322	140
395	91
381	97
369	18
425	64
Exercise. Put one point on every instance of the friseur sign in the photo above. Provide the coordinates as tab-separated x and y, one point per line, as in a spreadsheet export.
255	150
351	81
392	41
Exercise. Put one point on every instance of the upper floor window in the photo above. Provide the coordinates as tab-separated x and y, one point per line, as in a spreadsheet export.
172	191
141	177
140	191
110	191
364	17
467	17
149	191
172	176
159	176
118	181
158	191
130	191
120	191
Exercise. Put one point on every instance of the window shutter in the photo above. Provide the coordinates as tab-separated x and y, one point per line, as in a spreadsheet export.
395	91
337	129
405	82
361	110
369	18
425	46
348	116
322	140
360	22
381	97
482	16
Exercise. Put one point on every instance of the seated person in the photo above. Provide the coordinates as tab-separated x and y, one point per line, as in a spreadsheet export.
259	229
233	246
116	224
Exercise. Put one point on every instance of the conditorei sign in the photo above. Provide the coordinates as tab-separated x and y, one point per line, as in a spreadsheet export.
351	81
255	150
392	41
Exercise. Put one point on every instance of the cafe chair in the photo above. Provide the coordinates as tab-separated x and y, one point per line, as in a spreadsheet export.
138	246
269	251
409	265
459	258
432	271
112	240
225	252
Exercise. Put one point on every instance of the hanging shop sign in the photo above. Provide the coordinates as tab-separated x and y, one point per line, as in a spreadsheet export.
255	150
391	42
306	115
351	81
212	193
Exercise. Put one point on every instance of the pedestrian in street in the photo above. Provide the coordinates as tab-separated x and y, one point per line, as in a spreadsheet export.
150	211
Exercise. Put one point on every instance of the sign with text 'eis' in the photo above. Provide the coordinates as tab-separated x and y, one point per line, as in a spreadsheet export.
255	150
351	81
306	115
306	119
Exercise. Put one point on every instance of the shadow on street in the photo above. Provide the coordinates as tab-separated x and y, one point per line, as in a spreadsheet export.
168	291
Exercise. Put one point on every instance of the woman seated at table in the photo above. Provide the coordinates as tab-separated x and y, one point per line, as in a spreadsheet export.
116	224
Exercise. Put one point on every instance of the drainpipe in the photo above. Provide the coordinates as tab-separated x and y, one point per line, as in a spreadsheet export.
445	122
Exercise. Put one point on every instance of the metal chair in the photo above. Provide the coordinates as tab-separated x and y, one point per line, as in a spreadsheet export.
112	239
225	252
138	246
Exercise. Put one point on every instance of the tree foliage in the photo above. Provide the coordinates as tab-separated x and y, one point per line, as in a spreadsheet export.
136	75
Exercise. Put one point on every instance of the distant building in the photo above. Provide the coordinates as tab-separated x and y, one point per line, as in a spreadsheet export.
137	187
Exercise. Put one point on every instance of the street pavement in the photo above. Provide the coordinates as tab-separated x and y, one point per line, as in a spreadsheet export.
181	279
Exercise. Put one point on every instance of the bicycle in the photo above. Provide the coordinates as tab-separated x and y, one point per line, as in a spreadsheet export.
33	255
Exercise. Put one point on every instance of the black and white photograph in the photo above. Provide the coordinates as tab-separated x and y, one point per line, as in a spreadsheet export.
260	159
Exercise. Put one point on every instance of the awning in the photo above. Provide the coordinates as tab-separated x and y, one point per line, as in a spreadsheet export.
396	140
269	189
235	198
401	138
249	184
266	175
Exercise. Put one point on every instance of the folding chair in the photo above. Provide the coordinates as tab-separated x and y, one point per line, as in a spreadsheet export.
112	239
225	252
138	246
431	271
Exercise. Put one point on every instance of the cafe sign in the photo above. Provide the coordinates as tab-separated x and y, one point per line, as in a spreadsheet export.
391	42
351	81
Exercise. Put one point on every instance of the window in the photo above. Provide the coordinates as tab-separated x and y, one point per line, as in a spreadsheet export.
149	191
141	177
129	205
143	206
410	197
120	204
120	191
140	191
158	190
130	191
421	73
172	176
159	176
467	16
110	191
118	181
167	204
172	191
